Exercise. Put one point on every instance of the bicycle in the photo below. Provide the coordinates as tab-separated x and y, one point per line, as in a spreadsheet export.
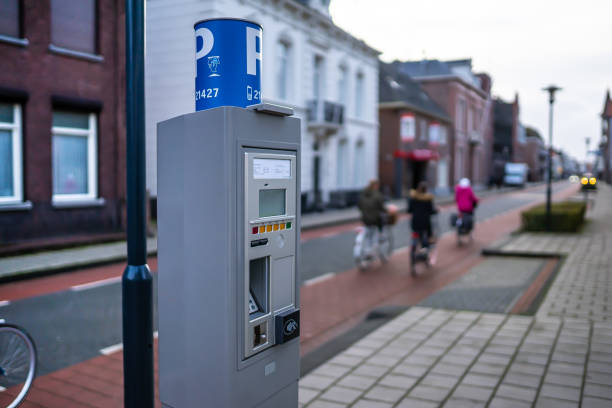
17	361
422	248
372	242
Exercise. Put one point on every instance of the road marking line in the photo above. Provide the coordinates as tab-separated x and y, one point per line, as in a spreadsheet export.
4	303
2	388
318	279
155	334
95	284
111	349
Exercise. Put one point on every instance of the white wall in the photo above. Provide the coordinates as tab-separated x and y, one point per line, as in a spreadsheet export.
170	76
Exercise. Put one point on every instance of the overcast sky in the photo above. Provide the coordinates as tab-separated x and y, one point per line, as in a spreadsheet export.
523	44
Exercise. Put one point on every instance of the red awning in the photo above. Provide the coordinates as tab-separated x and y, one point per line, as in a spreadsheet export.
417	154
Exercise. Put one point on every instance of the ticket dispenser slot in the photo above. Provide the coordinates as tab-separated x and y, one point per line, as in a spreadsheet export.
270	213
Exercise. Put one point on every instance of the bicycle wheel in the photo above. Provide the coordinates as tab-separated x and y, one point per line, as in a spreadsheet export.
17	361
385	244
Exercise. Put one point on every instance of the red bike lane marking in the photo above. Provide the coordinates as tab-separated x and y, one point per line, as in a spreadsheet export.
62	281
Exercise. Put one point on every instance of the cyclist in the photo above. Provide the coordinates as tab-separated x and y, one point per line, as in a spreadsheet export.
372	207
466	202
421	206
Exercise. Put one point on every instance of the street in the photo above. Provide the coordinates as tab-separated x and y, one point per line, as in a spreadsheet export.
76	316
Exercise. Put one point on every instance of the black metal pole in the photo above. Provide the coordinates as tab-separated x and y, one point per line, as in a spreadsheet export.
137	282
549	181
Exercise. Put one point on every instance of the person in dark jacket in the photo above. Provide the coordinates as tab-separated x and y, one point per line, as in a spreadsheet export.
421	206
372	205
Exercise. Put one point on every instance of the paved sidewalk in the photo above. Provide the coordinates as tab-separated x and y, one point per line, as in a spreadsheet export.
428	357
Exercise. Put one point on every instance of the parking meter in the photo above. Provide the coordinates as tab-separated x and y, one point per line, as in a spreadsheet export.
228	241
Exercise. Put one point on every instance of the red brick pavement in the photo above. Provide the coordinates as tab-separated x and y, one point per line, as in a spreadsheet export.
326	306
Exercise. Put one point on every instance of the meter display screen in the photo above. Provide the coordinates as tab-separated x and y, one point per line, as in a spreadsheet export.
271	202
271	168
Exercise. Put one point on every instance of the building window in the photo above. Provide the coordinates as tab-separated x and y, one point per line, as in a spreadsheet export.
343	85
442	135
10	154
283	69
73	25
9	19
317	77
75	167
460	119
342	163
423	129
359	166
359	95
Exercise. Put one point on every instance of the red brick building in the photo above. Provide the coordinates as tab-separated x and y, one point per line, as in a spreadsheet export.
466	96
413	143
62	131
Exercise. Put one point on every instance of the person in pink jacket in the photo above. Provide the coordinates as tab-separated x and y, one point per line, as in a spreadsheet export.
465	198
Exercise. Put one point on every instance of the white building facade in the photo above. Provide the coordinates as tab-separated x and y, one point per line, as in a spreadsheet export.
327	76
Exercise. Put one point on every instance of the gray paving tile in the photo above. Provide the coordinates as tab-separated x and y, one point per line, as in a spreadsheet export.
500	402
490	369
439	380
600	391
462	403
599	378
317	382
565	368
563	379
398	381
481	380
306	395
591	402
416	403
346	360
525	368
371	404
326	404
560	392
357	381
341	394
386	394
429	393
410	370
514	392
370	370
450	369
547	402
523	380
472	393
331	370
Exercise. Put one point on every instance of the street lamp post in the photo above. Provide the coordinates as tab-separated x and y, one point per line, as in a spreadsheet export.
551	100
137	282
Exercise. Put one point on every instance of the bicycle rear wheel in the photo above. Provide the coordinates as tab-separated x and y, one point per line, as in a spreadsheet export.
17	362
385	244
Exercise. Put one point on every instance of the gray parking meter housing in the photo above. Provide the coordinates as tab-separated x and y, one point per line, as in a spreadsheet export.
228	256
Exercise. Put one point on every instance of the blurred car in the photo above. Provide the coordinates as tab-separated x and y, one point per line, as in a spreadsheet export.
574	179
588	181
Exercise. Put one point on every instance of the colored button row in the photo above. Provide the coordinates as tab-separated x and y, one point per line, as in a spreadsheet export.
271	227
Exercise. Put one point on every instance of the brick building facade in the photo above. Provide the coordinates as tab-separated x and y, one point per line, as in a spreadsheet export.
62	122
413	143
466	97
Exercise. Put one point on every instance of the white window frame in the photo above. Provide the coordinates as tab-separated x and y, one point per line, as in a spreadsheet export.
16	133
343	85
92	160
286	80
359	94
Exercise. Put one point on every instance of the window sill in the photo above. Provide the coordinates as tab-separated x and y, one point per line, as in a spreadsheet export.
17	206
78	203
21	42
76	54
